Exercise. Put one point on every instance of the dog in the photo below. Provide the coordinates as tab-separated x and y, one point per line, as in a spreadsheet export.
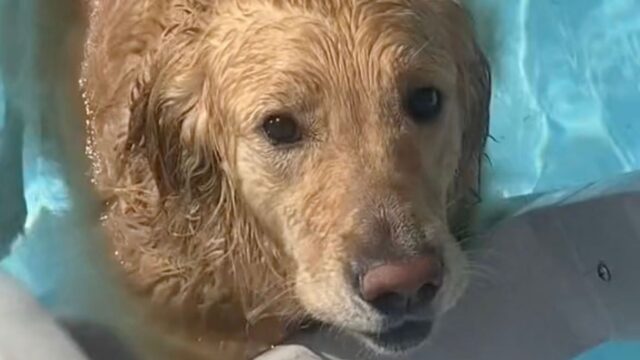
267	164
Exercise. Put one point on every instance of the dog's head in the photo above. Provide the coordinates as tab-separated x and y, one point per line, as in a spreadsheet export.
351	131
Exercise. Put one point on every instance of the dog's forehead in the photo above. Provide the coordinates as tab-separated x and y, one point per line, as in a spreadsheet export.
379	38
353	24
297	58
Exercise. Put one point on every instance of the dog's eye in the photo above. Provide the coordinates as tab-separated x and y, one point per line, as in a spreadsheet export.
281	129
424	104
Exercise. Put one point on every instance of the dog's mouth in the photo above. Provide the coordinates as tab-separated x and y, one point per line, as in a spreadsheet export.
399	339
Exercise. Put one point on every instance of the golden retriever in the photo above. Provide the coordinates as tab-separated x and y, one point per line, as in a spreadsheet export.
265	163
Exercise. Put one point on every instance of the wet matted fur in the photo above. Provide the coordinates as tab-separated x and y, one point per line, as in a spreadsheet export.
235	241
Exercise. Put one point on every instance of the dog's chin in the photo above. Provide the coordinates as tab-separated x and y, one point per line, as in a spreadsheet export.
398	340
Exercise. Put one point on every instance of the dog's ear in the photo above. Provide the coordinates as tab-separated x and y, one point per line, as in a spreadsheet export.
474	86
170	124
476	80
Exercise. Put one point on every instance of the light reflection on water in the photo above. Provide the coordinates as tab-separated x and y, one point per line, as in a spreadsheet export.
566	105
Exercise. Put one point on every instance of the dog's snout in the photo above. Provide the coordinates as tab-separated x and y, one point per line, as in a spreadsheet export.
392	287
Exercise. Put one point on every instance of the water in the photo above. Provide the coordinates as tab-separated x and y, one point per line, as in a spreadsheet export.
566	104
615	350
565	111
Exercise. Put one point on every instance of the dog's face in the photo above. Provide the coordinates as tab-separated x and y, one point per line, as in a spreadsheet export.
350	132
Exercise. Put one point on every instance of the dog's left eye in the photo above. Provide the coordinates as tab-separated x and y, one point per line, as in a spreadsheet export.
282	129
424	104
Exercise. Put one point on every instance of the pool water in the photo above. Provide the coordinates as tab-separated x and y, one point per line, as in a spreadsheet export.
566	102
615	350
565	111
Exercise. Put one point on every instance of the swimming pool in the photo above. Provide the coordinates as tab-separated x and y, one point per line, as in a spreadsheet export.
565	112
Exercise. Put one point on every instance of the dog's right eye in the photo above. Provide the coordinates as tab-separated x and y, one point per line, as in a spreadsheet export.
282	129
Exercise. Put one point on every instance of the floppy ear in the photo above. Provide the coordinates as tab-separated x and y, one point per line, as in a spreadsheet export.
477	89
169	126
474	85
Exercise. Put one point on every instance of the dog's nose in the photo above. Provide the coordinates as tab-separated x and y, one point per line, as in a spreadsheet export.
392	287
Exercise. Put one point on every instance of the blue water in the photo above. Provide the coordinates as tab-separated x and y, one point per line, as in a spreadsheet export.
566	104
615	350
565	111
